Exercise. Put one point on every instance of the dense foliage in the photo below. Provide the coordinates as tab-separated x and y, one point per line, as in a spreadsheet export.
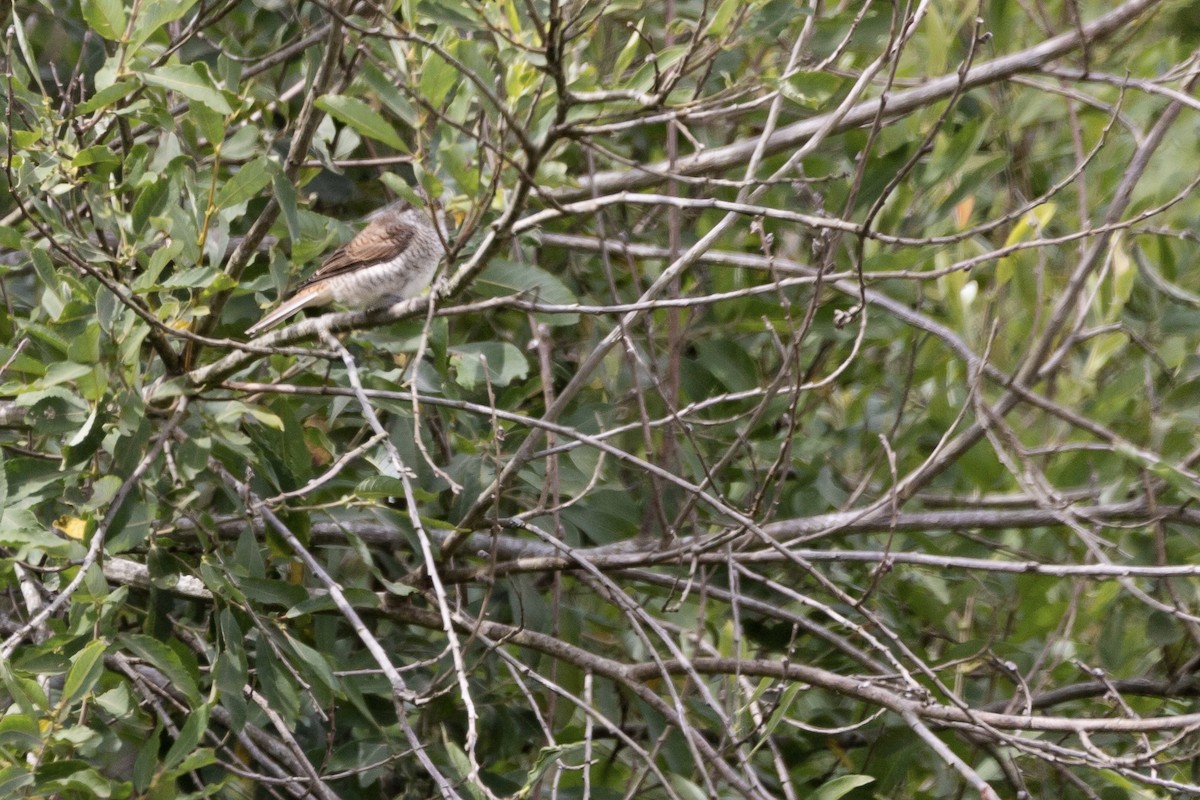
806	406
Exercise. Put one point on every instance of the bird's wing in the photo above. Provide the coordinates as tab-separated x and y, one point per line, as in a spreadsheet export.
382	240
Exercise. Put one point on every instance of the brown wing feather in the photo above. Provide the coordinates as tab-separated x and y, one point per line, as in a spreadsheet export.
382	240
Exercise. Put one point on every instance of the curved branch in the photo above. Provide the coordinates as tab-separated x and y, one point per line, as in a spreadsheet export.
898	104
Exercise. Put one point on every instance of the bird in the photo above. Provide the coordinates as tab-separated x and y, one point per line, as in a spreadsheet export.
392	259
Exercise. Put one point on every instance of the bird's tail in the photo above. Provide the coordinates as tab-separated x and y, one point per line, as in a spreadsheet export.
285	310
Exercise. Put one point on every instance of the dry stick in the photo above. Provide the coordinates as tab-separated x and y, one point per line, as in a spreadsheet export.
878	693
316	785
750	526
891	55
32	596
336	467
1032	480
585	659
639	618
710	160
811	136
827	223
957	345
905	314
524	556
917	726
1124	81
1040	365
668	276
632	677
589	710
400	692
1036	367
792	136
850	685
922	522
405	475
803	529
308	328
152	693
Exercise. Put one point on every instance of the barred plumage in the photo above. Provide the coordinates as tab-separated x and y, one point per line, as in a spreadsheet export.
392	259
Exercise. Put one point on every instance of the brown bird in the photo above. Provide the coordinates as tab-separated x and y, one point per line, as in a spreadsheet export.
390	260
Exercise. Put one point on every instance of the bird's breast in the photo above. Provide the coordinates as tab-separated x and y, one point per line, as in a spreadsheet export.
390	281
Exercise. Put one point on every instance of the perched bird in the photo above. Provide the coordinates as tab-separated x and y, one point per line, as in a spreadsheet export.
390	260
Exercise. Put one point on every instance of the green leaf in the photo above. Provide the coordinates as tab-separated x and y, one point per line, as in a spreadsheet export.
152	15
204	277
546	758
19	528
19	731
460	159
500	363
85	348
229	676
150	201
246	183
362	118
189	737
106	96
18	30
841	786
13	778
1170	472
191	81
625	57
451	13
98	154
103	491
63	372
505	278
165	660
1123	277
86	667
1162	630
358	598
687	789
1027	227
316	664
27	694
460	765
202	757
379	487
437	79
210	123
54	409
105	17
782	708
729	362
270	592
951	153
720	21
285	196
389	95
116	701
146	762
281	692
73	778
